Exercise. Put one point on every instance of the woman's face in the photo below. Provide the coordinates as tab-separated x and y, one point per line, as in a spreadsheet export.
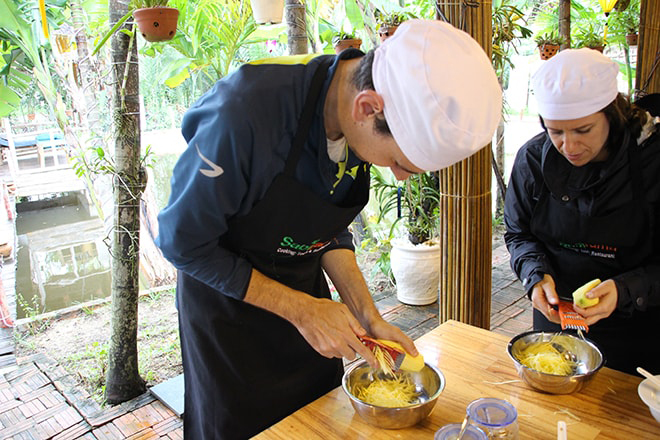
581	140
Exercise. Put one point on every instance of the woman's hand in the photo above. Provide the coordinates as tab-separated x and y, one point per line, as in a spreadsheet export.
608	297
544	296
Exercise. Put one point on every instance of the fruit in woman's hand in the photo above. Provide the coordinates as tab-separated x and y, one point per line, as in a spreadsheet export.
579	296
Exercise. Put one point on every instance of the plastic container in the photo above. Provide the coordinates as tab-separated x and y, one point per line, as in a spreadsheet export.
450	432
496	417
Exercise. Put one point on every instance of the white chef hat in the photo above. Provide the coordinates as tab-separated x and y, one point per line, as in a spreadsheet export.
442	99
575	83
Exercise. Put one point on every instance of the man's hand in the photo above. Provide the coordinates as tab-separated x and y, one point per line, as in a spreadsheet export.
328	326
608	297
332	330
544	296
381	329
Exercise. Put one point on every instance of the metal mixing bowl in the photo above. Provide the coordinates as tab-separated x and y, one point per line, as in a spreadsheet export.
429	383
587	355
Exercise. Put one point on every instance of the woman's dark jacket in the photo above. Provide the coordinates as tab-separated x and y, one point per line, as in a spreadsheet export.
595	189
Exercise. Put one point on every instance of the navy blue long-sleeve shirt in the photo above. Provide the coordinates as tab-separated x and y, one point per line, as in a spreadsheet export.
239	135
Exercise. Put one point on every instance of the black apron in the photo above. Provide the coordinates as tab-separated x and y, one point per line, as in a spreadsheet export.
581	248
244	367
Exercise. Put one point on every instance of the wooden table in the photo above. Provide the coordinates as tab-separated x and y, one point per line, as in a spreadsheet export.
475	364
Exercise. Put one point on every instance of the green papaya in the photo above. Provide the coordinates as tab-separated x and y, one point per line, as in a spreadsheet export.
579	298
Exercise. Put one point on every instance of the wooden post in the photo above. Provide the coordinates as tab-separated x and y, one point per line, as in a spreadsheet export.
294	15
565	23
465	204
648	49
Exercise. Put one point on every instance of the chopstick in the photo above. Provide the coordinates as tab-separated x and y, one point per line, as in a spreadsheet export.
561	430
654	380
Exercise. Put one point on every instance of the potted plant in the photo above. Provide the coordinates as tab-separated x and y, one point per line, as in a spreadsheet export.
415	254
625	21
591	38
343	40
549	44
155	20
387	24
267	11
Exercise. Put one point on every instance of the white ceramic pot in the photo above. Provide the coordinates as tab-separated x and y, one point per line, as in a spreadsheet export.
416	269
267	11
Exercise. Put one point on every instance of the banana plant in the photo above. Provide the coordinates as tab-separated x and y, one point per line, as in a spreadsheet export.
14	79
19	30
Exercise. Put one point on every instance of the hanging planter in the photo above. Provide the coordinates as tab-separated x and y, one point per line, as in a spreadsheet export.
156	24
549	44
345	44
267	11
386	31
548	50
344	40
632	39
388	23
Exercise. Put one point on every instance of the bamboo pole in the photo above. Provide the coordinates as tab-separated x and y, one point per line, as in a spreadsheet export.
465	224
648	55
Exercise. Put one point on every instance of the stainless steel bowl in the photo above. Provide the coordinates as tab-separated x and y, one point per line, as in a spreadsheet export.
429	383
587	355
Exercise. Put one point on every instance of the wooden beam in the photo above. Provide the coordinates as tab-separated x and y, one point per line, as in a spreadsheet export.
648	50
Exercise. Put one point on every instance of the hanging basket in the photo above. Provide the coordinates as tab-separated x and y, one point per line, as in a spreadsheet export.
632	39
267	11
156	24
548	50
386	31
345	44
598	48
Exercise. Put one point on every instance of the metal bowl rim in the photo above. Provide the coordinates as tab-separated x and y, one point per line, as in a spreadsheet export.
509	350
362	363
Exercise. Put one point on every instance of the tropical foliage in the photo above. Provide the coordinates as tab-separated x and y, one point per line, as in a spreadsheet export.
415	200
509	27
25	54
552	38
590	36
626	21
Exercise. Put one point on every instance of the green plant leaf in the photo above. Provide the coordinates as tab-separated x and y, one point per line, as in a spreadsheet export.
177	79
8	96
354	14
111	32
10	18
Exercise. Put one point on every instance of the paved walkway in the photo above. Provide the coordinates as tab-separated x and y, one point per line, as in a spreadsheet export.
39	400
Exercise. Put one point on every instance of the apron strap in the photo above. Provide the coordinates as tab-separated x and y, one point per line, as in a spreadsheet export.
305	121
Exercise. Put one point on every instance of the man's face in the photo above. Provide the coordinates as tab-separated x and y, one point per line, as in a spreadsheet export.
581	140
382	150
368	143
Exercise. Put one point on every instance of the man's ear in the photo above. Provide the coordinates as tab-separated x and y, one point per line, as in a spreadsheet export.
366	104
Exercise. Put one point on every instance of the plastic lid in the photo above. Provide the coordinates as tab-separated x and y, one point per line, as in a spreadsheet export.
491	412
450	432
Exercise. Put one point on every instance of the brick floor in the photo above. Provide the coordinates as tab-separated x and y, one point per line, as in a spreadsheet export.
34	406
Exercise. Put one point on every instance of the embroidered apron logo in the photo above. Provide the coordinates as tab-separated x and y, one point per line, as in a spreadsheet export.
593	250
289	246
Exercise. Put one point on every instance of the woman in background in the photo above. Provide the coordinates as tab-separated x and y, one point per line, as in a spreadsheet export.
583	202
